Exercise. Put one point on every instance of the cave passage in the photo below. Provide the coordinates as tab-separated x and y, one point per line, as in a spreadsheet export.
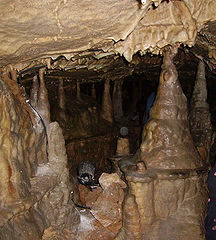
150	153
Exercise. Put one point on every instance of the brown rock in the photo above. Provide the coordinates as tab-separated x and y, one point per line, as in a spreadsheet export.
106	180
92	197
108	207
52	233
83	192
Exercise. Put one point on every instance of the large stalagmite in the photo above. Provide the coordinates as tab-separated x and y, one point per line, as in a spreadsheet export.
200	119
167	177
167	143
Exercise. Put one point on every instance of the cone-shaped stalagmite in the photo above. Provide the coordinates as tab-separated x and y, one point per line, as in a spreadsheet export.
117	101
200	120
165	176
106	109
167	142
43	101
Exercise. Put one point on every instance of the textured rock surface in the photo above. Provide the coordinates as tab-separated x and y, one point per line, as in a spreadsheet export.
107	207
61	27
171	194
131	220
167	142
18	147
32	197
21	150
200	119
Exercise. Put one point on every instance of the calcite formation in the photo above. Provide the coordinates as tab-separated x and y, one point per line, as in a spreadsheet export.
167	142
200	118
43	102
107	107
167	176
115	27
131	220
62	100
34	193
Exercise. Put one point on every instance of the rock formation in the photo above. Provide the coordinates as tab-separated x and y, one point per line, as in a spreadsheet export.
117	101
200	119
34	193
167	176
43	101
62	101
106	108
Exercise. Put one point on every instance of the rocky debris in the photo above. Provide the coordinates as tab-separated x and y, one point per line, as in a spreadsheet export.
107	209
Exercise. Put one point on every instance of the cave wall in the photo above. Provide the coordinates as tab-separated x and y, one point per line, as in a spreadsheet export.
35	183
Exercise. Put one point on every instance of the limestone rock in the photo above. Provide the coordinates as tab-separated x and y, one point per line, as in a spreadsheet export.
108	207
167	142
57	234
107	180
200	119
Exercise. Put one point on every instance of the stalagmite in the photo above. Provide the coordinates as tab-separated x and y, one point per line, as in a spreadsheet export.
200	119
117	101
122	147
131	220
122	150
167	176
62	101
106	108
43	101
93	91
34	92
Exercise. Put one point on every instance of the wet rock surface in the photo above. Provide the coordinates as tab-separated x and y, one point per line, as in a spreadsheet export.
36	192
200	118
167	176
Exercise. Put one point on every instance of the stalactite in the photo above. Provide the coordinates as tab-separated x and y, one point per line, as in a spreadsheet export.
93	91
117	101
62	101
34	92
106	108
78	89
43	101
200	119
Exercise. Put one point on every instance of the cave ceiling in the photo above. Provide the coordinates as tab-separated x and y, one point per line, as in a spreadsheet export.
86	39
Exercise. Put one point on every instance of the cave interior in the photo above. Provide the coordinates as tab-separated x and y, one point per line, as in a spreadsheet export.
63	105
